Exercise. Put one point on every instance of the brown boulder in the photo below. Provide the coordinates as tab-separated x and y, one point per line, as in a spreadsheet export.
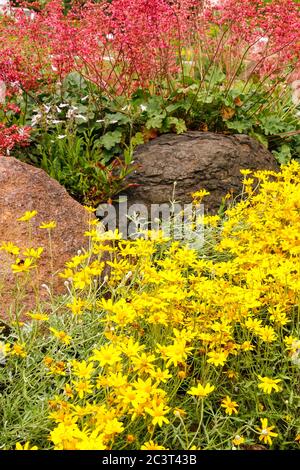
25	188
194	160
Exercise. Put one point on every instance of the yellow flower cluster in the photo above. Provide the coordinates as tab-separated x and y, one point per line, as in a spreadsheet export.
178	327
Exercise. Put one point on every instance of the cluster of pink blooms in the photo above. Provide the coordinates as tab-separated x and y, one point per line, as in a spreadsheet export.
11	136
126	44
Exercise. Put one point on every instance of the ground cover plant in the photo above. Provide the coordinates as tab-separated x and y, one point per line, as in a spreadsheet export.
172	347
87	83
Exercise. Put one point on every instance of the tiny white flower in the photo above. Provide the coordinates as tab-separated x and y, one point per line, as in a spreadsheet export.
61	136
143	107
80	116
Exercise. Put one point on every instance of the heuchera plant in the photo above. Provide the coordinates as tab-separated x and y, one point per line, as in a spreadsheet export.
127	44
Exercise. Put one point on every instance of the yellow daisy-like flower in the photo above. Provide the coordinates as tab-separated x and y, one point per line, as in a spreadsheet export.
238	440
21	266
10	248
37	316
217	358
151	445
48	225
267	384
26	446
201	391
33	252
18	350
28	215
61	335
89	209
229	406
158	413
266	432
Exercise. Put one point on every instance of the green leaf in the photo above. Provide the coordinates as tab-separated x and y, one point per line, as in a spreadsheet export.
239	126
155	122
179	124
120	118
261	138
283	155
110	139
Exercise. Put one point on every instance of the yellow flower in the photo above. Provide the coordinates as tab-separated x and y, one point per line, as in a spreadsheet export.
18	350
48	225
160	375
21	266
179	413
26	446
82	369
151	445
107	355
61	335
267	384
247	346
10	248
4	350
199	195
77	306
246	172
267	334
68	391
238	440
27	216
297	438
38	316
201	391
217	358
113	427
143	363
230	406
89	209
266	432
158	412
83	387
33	253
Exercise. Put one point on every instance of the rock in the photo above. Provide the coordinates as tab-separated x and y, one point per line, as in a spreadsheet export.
194	160
25	188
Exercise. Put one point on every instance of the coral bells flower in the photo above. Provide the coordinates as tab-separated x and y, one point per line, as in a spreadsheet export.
267	384
12	136
266	432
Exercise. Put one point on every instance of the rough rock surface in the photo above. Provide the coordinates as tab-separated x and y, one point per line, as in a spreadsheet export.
194	160
25	188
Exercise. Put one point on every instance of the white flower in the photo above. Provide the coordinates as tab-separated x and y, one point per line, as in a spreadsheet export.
143	107
80	116
47	108
61	136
